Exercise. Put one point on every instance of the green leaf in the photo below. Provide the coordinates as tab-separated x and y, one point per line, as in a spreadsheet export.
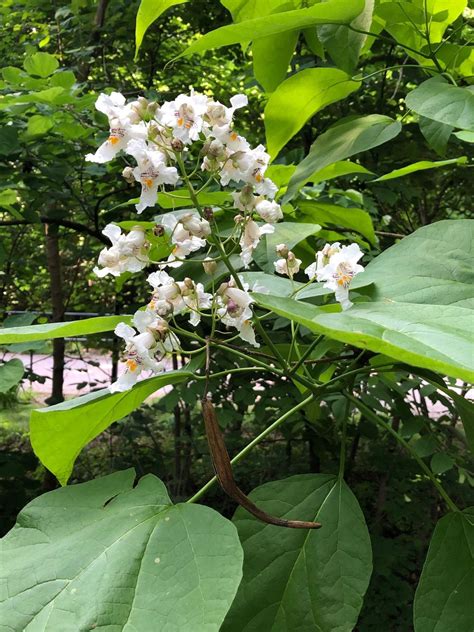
280	49
467	137
422	165
337	170
298	98
289	233
64	79
436	134
61	330
443	599
59	433
8	140
465	409
38	125
8	197
296	579
341	141
332	11
41	64
421	302
354	219
148	12
106	554
344	45
441	101
181	199
441	463
11	373
282	286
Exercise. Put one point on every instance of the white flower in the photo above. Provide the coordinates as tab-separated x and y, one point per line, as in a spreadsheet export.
250	238
288	265
195	299
234	310
151	172
322	259
129	252
219	115
144	350
269	211
165	289
179	296
339	271
124	125
185	116
186	233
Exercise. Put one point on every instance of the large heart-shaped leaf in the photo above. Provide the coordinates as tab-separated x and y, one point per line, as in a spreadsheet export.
441	101
106	555
298	98
330	12
443	599
421	302
58	433
296	579
341	141
97	325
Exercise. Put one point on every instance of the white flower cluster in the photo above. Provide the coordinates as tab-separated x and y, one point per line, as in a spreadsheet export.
335	265
160	138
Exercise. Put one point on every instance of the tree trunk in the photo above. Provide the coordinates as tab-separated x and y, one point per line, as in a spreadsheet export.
57	302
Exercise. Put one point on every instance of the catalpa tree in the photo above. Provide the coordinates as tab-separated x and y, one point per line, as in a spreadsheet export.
234	267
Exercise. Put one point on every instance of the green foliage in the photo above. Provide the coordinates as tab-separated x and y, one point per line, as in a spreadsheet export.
148	12
445	588
275	593
11	373
343	140
343	44
420	166
160	561
59	330
330	12
345	79
439	100
60	432
405	314
300	97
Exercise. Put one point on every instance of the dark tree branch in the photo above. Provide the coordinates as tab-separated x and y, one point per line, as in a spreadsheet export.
66	223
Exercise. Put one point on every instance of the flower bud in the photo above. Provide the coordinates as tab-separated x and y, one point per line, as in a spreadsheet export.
208	213
209	265
127	175
162	307
177	144
158	230
153	107
282	250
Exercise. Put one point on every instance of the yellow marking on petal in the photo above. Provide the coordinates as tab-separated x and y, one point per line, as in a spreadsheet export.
131	365
259	177
180	121
234	136
148	182
113	140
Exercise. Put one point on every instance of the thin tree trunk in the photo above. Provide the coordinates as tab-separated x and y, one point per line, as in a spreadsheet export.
57	303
